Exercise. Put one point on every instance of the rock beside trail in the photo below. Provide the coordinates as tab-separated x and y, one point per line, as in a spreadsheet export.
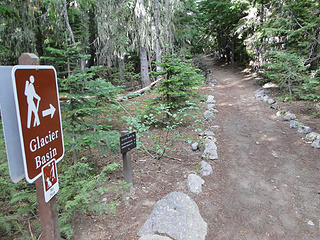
316	143
295	124
178	217
207	133
304	129
214	128
208	115
212	82
154	237
205	168
264	98
210	99
270	85
210	150
280	113
211	106
195	146
289	116
194	183
312	136
260	93
275	106
271	101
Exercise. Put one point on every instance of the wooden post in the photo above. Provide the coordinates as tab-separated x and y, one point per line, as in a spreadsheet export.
127	169
47	211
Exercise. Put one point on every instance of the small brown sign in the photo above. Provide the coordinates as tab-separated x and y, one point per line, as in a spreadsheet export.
38	112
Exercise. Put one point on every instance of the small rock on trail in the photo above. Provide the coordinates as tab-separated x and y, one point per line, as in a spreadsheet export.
312	136
205	168
210	150
194	183
208	115
295	124
210	99
211	106
289	116
195	146
316	144
304	129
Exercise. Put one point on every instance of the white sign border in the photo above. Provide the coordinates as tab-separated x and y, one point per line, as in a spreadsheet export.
32	67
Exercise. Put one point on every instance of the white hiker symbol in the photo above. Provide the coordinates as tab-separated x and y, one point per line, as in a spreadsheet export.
30	92
49	184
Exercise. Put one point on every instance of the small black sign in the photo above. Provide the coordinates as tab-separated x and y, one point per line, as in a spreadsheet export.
128	142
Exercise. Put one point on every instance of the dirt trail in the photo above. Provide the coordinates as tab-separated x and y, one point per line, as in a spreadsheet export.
266	182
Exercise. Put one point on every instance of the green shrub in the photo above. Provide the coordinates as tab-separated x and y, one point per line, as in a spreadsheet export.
310	89
286	69
87	98
181	77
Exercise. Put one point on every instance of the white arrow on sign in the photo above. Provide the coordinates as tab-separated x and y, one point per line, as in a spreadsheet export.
49	111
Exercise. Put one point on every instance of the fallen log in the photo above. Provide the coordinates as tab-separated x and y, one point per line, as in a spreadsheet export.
129	95
138	92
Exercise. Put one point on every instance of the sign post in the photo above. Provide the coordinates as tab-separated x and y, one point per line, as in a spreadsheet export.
47	211
127	143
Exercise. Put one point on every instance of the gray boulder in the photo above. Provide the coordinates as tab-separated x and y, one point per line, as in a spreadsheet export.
316	143
295	124
154	237
265	98
176	216
208	115
271	101
270	85
280	113
208	133
275	106
312	136
195	146
214	128
211	106
214	82
289	116
304	129
205	168
194	183
260	93
210	99
210	149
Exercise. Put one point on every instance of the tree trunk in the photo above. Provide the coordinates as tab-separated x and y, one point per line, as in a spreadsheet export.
82	62
109	61
232	51
66	19
121	66
262	49
145	80
92	36
149	60
169	49
157	24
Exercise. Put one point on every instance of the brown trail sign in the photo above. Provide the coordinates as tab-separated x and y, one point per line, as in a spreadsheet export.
38	112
